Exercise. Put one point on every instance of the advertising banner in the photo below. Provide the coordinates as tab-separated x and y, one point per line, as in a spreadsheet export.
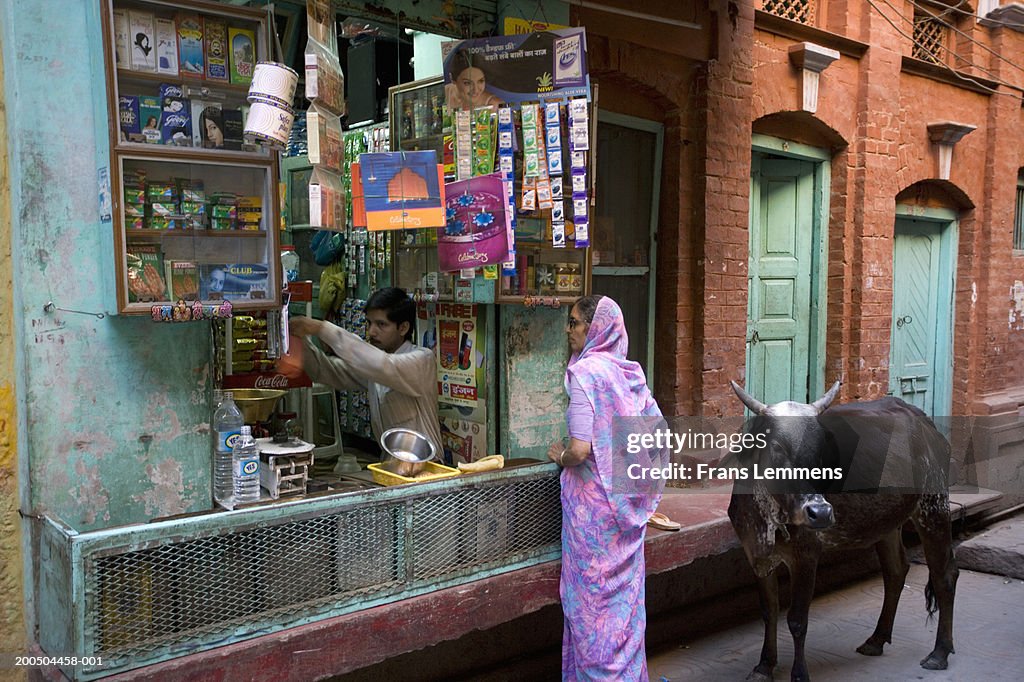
475	232
542	65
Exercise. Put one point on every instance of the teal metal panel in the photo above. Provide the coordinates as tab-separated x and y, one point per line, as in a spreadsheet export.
533	355
115	416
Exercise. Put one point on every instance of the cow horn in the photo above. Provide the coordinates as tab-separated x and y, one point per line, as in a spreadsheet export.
755	405
824	401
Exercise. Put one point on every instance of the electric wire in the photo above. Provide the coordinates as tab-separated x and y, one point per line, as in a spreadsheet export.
988	73
951	70
969	37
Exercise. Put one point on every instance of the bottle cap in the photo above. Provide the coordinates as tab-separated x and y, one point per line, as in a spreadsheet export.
287	247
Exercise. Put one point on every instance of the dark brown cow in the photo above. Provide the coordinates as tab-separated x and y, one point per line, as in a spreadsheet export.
890	452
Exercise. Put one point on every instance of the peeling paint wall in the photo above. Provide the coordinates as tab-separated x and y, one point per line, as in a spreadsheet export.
115	410
534	355
12	606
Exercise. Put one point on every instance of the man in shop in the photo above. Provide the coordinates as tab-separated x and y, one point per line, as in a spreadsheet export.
400	379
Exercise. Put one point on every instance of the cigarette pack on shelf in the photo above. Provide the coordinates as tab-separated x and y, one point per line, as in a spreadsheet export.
326	200
325	83
324	138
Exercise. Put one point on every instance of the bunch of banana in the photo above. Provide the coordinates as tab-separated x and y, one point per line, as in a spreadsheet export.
488	463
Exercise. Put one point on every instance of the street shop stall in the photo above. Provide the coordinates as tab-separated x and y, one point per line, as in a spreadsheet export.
467	201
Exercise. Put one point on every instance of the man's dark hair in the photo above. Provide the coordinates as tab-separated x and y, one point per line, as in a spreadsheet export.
587	306
397	305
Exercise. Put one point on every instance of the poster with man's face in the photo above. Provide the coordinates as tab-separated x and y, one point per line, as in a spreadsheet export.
518	68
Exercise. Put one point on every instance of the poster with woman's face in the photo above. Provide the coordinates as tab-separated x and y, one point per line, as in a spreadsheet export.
518	68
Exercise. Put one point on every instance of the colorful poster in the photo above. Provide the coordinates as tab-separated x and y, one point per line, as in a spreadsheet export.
398	190
475	230
518	68
455	332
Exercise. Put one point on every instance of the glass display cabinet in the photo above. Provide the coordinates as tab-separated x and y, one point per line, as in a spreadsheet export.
194	206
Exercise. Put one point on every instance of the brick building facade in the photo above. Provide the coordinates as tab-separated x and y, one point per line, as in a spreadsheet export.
730	81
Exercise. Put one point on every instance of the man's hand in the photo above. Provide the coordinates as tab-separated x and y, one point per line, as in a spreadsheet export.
304	326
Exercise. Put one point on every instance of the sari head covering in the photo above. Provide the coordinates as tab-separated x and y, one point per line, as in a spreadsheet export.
617	390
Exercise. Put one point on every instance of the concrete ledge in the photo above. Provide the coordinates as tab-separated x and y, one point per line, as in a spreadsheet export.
999	551
347	643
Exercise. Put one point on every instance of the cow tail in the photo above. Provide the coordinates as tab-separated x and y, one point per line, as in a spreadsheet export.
929	599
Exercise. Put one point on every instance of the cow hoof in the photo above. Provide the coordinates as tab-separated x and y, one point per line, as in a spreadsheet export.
934	662
758	676
871	647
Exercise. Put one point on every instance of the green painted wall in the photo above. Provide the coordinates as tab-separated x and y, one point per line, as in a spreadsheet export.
534	353
114	424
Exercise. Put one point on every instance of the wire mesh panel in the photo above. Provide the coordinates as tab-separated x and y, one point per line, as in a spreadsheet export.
794	10
156	593
479	526
178	590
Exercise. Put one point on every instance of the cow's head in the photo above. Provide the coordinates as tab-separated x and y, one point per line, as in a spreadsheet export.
794	440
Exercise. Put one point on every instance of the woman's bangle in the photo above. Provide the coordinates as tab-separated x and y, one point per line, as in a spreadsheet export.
560	456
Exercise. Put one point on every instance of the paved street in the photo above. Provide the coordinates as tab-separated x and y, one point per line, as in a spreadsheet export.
988	631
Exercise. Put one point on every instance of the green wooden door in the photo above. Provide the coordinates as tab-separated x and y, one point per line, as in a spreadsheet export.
779	284
919	314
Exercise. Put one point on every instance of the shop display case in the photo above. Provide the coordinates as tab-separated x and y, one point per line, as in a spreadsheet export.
194	206
418	124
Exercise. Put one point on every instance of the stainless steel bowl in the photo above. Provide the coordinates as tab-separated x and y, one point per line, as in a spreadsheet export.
407	450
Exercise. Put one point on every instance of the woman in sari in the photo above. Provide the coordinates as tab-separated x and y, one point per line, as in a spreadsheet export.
603	528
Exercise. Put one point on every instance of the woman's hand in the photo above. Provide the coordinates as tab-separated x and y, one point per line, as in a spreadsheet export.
304	326
555	453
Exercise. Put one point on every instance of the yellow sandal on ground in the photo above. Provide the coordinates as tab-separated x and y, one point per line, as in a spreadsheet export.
662	522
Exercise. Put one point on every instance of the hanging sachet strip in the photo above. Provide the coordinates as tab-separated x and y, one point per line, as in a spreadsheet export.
463	145
579	143
553	163
506	165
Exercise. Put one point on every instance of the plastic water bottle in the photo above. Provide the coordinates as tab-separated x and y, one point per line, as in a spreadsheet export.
245	458
227	427
289	263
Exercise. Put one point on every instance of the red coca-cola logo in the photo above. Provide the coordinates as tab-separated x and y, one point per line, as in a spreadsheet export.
275	381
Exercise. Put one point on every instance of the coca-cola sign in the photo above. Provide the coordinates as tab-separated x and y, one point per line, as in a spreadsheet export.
271	381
